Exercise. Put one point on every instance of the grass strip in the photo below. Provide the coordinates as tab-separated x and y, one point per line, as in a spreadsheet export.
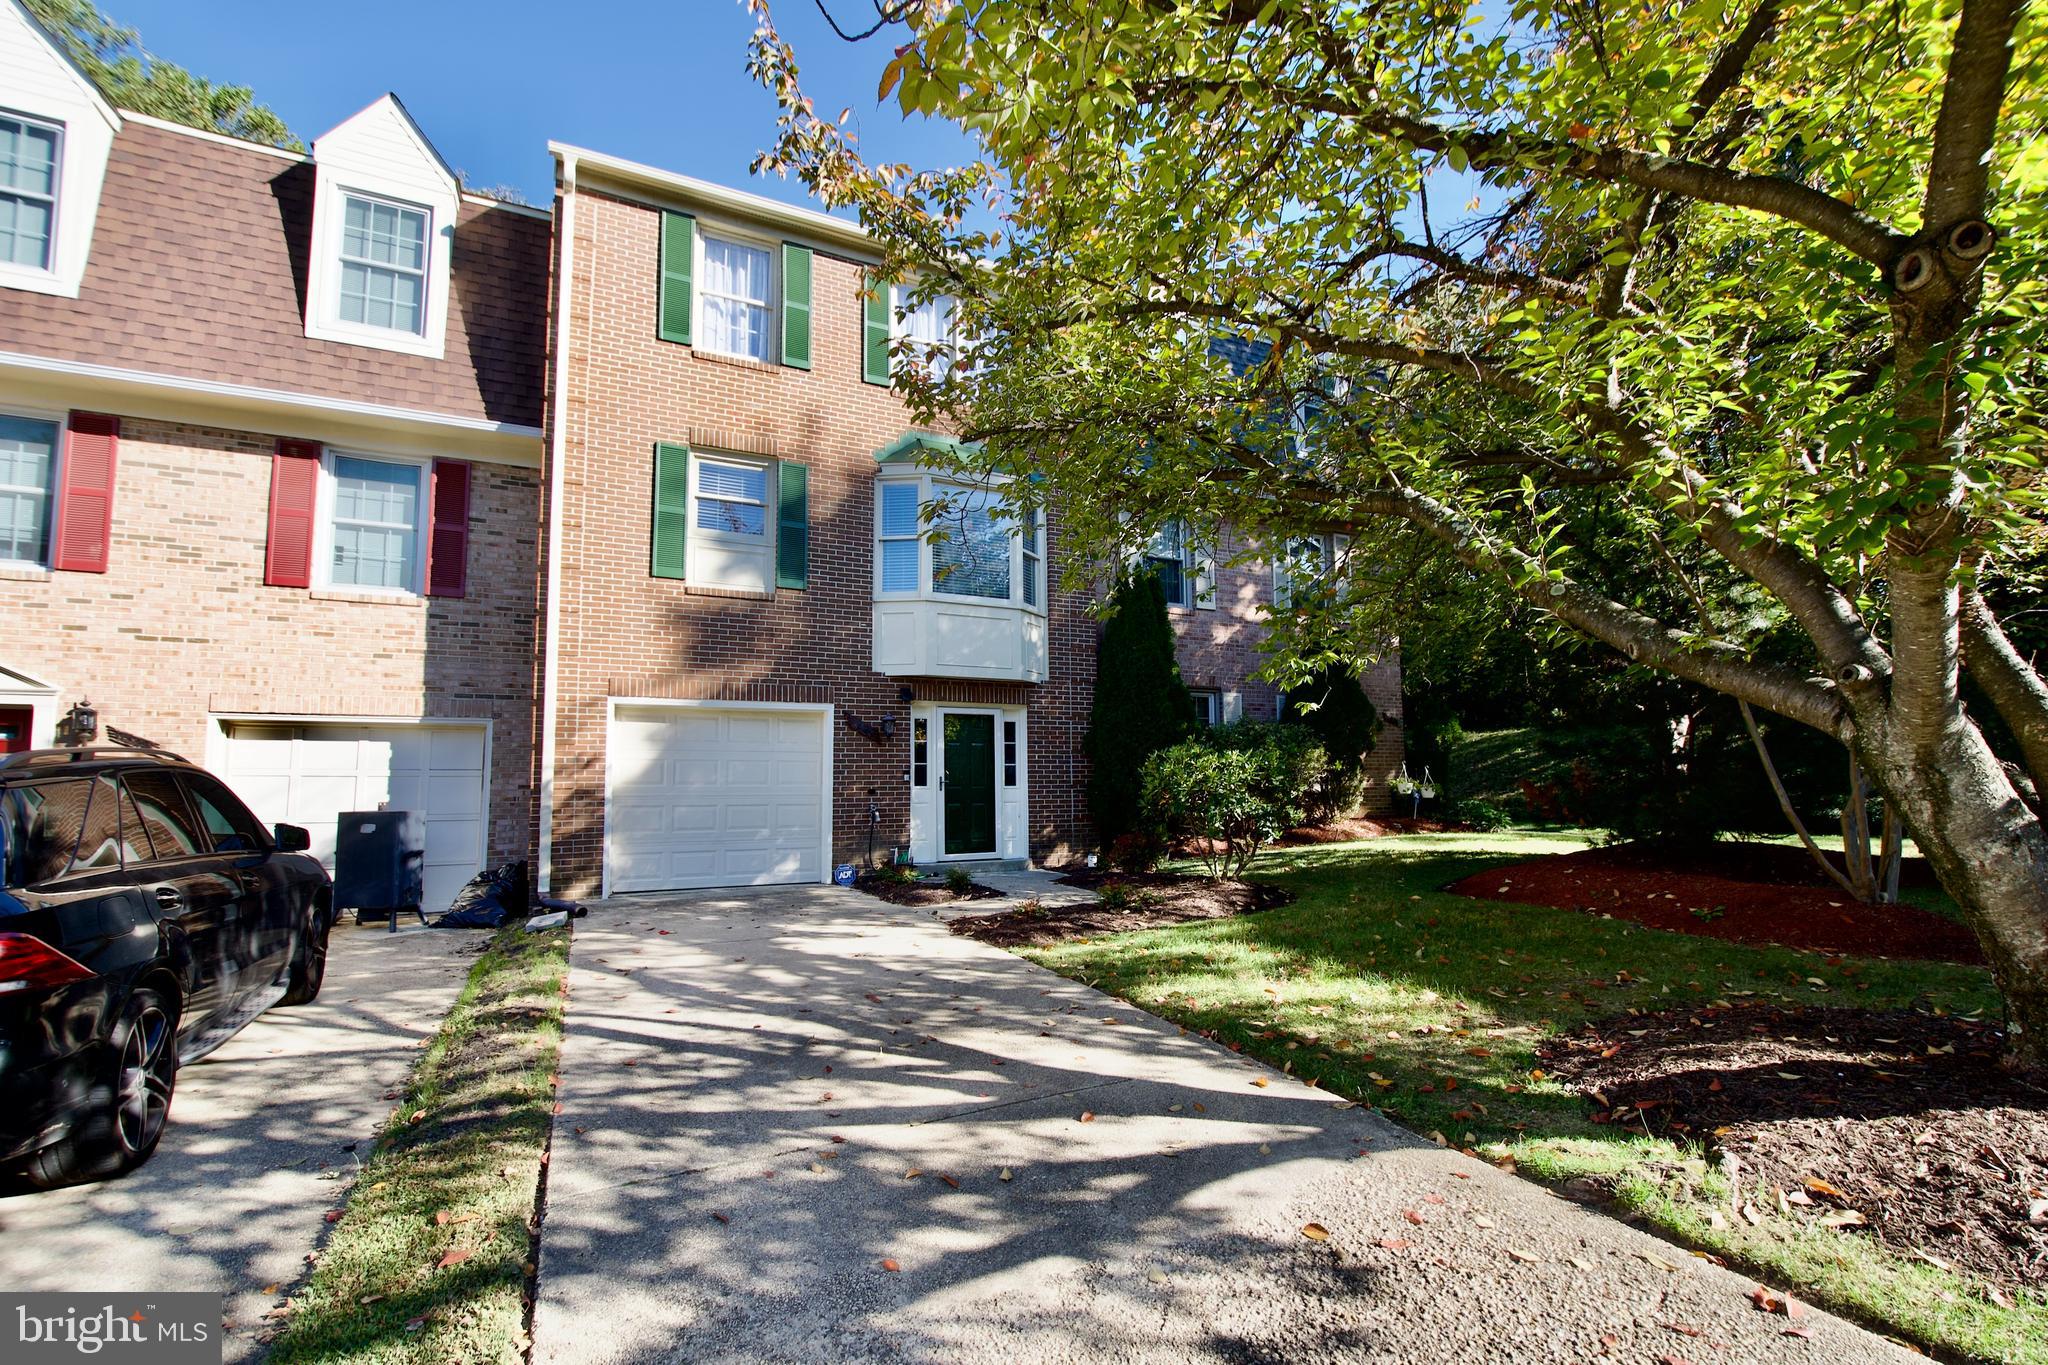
430	1261
1378	985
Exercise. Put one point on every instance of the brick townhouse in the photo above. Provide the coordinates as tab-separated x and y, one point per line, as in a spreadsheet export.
270	449
595	535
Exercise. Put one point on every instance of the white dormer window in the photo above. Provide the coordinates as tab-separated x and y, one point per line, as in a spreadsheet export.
29	161
384	264
384	211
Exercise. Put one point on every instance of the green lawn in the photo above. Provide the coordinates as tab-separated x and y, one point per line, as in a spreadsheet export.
1379	986
430	1262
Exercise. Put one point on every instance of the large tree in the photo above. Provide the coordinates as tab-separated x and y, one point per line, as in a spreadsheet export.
133	77
1771	273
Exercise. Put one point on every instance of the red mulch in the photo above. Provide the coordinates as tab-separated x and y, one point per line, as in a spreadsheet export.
1746	893
1353	828
1893	1124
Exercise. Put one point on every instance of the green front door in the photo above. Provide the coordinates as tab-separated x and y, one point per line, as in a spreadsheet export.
970	784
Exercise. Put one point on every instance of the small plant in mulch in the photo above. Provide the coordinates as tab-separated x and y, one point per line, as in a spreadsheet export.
903	884
1895	1124
1124	902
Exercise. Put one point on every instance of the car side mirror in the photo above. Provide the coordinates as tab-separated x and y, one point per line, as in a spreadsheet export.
291	838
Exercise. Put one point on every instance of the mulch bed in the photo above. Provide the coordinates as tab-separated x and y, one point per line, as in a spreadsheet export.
921	892
1353	828
1152	899
1746	893
1896	1124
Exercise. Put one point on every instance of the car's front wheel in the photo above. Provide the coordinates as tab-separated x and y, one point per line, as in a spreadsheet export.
309	959
130	1101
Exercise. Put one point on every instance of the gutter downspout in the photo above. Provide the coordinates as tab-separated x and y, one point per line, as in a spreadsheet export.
551	636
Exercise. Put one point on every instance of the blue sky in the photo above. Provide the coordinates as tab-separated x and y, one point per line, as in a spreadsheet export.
659	81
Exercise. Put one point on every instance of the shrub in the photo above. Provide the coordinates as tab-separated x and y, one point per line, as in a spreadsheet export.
959	880
1483	816
1141	705
1235	799
1294	764
1334	708
1138	850
1113	896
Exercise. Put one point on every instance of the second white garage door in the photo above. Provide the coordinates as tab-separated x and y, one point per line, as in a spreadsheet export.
709	797
309	774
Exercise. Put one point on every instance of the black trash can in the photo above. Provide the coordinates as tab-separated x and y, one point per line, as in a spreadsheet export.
380	864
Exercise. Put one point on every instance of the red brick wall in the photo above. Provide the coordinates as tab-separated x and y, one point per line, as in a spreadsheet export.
1218	650
625	633
182	624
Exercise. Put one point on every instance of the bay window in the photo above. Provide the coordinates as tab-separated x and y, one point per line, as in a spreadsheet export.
938	539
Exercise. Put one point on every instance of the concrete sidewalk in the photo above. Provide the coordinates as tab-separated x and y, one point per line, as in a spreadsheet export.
804	1125
265	1137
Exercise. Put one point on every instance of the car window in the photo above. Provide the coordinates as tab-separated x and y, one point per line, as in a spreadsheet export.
134	838
234	830
99	845
42	824
166	817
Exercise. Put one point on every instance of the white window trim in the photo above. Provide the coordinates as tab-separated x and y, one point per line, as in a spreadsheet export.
927	485
323	285
737	539
46	273
699	333
63	423
323	524
425	272
1209	701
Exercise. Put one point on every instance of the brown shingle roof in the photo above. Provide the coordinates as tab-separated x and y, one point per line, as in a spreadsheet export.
198	269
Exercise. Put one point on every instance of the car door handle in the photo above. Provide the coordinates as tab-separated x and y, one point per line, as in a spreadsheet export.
169	899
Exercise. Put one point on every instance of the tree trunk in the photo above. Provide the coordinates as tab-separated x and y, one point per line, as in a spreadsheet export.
1988	849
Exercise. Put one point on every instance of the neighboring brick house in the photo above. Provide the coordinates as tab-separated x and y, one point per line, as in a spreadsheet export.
270	449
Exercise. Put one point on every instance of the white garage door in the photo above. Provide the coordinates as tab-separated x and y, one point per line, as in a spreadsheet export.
703	797
308	774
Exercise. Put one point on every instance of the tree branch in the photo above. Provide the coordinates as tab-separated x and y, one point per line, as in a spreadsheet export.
2013	685
1959	169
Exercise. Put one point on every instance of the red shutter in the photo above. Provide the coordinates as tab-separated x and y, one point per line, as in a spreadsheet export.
85	501
294	494
448	540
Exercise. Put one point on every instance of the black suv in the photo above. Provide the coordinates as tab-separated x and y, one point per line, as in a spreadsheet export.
145	917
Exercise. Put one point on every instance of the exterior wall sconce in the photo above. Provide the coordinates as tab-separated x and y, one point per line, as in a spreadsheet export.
874	730
81	724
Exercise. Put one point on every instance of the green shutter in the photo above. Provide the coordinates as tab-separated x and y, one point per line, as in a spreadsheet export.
796	305
793	526
671	509
678	234
874	351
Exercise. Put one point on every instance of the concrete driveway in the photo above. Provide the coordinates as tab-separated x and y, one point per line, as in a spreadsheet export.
265	1135
804	1125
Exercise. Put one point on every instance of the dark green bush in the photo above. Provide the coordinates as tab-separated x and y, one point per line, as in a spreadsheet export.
1141	705
1234	790
1334	708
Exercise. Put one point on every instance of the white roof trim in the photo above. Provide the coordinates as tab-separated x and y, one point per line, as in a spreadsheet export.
14	682
412	128
282	398
740	203
85	82
208	135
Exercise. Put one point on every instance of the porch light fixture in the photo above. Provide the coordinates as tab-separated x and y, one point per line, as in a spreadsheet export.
877	731
81	723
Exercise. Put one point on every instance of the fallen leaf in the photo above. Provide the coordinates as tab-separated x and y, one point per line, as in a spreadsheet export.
1522	1255
452	1256
1261	1082
333	1215
1395	1244
1412	1216
1005	1175
441	1217
890	1265
1819	1186
1482	1221
722	1217
1087	1116
950	1181
1315	1232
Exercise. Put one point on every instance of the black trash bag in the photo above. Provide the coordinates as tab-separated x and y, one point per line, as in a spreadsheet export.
488	899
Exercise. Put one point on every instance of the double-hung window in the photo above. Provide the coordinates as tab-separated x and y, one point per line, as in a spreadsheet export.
732	499
1034	555
28	466
1167	557
928	327
383	265
375	524
735	314
899	537
28	191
